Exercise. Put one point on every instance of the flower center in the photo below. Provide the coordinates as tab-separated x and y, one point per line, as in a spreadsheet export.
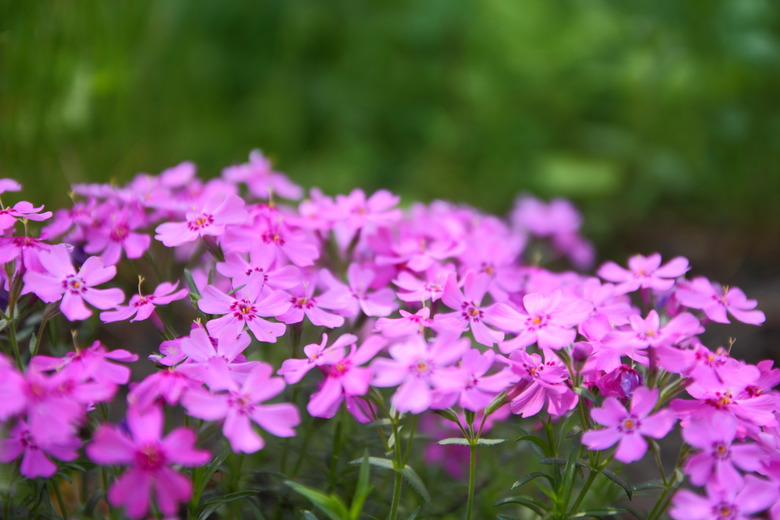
203	221
243	310
150	457
471	311
74	284
629	424
119	233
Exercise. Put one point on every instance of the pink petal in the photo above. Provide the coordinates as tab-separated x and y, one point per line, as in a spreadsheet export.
104	298
109	447
132	490
238	429
73	307
180	448
171	489
600	439
277	419
632	447
414	395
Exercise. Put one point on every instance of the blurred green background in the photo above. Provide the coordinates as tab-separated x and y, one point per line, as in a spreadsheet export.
659	118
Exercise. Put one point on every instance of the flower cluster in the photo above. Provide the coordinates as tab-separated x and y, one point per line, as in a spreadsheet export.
437	304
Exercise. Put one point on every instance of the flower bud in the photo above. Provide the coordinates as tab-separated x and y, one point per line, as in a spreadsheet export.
620	383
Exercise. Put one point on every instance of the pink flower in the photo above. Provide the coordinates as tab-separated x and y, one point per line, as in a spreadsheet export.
210	218
116	234
61	281
141	306
476	389
628	426
547	321
540	383
260	178
293	369
716	300
407	325
149	458
421	370
245	307
259	267
23	209
416	290
93	363
469	313
350	300
718	454
303	303
209	361
737	501
35	463
344	376
241	406
644	272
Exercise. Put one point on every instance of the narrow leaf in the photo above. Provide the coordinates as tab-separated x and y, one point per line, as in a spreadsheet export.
416	482
528	478
530	503
331	505
620	481
453	440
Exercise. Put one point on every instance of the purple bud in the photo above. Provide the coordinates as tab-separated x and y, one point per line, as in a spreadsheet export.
621	382
581	351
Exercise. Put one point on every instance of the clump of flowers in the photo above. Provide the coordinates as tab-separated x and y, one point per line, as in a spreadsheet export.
306	352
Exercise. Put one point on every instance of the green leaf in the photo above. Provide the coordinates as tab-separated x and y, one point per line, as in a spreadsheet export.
89	507
407	472
415	513
308	515
490	442
540	446
416	482
453	440
495	404
362	489
528	502
194	292
651	484
203	474
532	476
587	394
212	506
448	414
331	505
620	481
599	513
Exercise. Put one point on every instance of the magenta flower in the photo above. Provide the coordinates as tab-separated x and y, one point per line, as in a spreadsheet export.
61	281
718	453
260	267
716	300
476	389
469	313
141	306
421	371
149	458
541	382
245	307
737	501
23	209
209	361
317	355
241	406
261	179
35	463
116	234
627	427
432	288
209	218
407	325
345	378
547	321
304	304
350	300
93	363
645	273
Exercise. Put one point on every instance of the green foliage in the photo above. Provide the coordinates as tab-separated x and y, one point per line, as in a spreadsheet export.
643	110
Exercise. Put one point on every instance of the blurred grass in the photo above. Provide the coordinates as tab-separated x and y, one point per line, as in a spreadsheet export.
644	112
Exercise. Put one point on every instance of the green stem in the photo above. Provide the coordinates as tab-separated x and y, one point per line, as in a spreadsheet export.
398	467
472	478
60	501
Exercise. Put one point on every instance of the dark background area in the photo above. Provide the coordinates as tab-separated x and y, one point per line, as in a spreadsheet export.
660	119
